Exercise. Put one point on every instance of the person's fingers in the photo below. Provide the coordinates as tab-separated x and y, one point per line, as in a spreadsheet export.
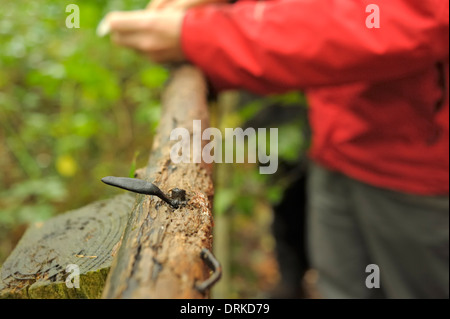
157	36
123	21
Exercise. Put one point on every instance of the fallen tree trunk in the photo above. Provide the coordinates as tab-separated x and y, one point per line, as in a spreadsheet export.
160	254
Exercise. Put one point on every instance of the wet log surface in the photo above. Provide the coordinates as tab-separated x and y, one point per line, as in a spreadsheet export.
160	253
87	237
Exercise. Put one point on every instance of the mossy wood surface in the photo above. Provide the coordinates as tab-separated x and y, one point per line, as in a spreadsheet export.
87	237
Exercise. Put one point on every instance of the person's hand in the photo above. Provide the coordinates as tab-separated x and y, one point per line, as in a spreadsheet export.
155	34
179	4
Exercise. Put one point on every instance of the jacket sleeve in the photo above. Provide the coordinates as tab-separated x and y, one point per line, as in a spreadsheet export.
276	46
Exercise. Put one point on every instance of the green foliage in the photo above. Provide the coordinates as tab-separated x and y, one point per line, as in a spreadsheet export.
224	199
291	141
246	186
73	108
246	197
133	165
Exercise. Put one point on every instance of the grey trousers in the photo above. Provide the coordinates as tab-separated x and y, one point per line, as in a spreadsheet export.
352	225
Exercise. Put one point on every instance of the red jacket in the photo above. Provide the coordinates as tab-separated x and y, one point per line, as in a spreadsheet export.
378	97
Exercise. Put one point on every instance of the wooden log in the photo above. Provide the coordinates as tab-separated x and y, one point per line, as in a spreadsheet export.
87	237
160	253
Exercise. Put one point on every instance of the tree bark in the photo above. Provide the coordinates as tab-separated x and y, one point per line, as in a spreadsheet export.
160	252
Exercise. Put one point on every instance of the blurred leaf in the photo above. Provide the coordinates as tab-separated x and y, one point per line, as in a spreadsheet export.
35	213
295	97
223	199
251	109
245	204
290	142
66	165
49	188
274	194
154	77
84	125
133	165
